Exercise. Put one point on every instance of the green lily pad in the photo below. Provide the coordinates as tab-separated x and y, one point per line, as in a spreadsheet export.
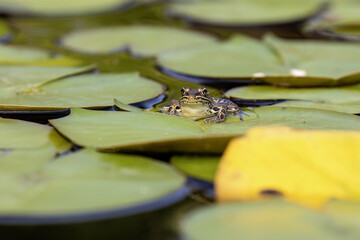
16	79
199	167
22	161
90	90
264	220
16	54
4	29
319	63
274	61
245	12
344	18
342	99
156	132
60	8
22	135
16	134
143	40
87	182
240	57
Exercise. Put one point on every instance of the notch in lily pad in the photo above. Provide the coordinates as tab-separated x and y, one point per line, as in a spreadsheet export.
286	63
54	89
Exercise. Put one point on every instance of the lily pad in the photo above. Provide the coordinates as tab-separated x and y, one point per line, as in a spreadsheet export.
146	131
239	58
244	13
60	8
264	221
317	63
84	183
16	134
341	21
22	135
4	30
342	99
245	173
143	40
198	167
16	54
90	90
274	61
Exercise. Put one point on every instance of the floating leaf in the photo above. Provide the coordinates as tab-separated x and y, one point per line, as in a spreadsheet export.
318	63
274	61
342	99
4	30
199	167
91	90
320	165
342	20
86	182
245	12
146	131
16	134
264	221
16	79
60	8
140	39
16	54
240	57
22	161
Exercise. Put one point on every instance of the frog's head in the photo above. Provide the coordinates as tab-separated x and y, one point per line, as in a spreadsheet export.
195	96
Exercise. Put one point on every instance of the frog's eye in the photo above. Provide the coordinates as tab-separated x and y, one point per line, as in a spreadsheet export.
202	90
185	90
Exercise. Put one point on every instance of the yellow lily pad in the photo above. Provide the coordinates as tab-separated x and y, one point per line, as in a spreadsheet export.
307	167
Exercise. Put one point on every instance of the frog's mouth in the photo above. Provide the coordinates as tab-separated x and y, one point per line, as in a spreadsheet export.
195	101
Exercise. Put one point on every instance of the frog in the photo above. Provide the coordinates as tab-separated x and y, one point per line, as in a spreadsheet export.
198	104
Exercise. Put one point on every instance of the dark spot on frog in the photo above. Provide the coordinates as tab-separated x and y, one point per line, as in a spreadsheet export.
216	109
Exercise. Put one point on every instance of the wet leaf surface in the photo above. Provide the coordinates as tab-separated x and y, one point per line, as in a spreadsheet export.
140	40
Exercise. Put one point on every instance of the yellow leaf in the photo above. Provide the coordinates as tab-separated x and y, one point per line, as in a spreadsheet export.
307	167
